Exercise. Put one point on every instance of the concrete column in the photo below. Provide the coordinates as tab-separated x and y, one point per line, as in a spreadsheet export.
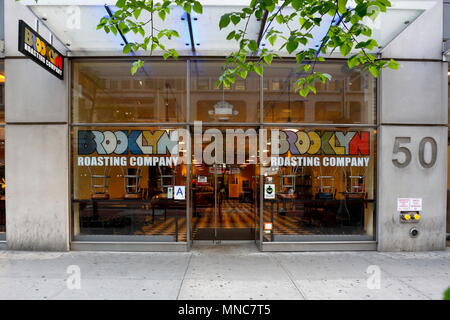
37	146
37	167
413	111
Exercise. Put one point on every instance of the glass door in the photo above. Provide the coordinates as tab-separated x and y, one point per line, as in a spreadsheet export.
224	201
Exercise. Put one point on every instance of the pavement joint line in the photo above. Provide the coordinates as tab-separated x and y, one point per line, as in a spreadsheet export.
184	276
273	257
397	278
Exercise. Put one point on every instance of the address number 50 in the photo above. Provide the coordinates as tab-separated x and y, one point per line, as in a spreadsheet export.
400	147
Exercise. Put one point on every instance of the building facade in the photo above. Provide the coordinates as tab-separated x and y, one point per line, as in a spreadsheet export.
98	159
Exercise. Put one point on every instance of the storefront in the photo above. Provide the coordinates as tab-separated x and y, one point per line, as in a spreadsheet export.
123	128
164	160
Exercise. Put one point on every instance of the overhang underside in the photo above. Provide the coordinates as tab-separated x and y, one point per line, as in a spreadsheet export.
74	22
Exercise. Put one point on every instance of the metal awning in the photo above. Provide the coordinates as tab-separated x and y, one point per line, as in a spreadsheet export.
75	23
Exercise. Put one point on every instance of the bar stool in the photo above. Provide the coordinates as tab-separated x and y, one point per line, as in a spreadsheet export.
132	178
99	183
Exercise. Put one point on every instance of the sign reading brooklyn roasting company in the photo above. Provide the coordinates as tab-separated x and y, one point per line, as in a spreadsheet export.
162	148
38	49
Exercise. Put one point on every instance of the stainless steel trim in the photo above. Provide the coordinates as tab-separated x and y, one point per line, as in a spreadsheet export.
221	242
129	246
133	124
320	246
225	124
331	125
124	238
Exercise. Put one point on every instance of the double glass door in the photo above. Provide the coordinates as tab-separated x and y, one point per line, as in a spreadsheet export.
225	199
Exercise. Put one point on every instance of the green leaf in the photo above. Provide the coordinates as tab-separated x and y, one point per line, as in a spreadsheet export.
243	74
312	88
253	45
374	70
120	3
392	64
291	45
127	48
136	66
224	21
353	61
304	91
342	6
137	13
235	19
296	4
231	35
447	294
268	59
280	19
272	39
187	7
113	29
162	14
259	70
303	40
373	12
345	49
198	7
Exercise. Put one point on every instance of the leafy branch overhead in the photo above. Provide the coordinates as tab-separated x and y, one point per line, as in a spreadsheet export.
343	25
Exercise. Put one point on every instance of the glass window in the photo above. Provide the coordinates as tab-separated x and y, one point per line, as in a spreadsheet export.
128	184
349	98
324	183
106	92
239	103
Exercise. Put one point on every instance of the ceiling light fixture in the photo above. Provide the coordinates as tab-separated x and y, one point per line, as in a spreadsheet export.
223	110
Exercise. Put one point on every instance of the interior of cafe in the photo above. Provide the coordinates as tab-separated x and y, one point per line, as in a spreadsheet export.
319	195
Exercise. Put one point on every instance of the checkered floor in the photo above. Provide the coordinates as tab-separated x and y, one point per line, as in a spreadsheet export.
232	214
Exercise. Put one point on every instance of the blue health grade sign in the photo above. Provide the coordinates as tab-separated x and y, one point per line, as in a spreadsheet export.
32	45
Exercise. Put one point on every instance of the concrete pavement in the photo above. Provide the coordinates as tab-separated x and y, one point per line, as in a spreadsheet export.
224	272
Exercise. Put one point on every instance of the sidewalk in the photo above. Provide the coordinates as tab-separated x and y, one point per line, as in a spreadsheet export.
225	272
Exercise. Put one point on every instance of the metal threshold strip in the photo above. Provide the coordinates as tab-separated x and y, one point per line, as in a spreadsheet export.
319	246
129	246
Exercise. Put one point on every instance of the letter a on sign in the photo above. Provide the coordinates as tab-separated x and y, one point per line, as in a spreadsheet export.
179	193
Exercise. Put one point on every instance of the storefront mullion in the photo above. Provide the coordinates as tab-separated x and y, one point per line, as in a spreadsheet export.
2	185
2	154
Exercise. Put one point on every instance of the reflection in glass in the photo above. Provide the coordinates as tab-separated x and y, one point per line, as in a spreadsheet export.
239	103
225	196
106	92
349	97
127	197
324	182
